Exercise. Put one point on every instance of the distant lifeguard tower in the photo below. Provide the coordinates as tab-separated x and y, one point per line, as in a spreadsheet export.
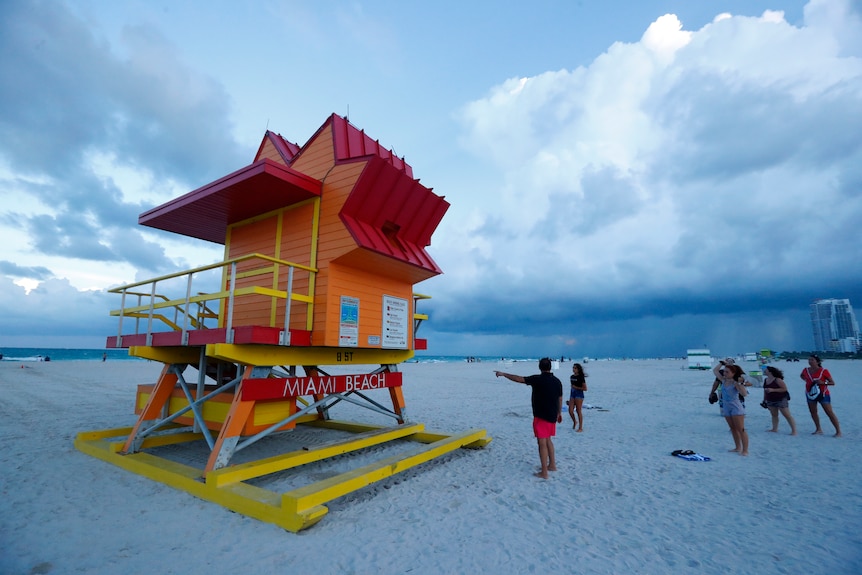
323	244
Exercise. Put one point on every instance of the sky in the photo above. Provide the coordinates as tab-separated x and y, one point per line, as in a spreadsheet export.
626	178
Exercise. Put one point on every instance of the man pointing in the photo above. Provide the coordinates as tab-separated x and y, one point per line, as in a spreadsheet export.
547	401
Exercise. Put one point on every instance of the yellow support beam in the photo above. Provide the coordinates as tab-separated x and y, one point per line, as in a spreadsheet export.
419	437
167	355
351	426
307	501
286	355
244	471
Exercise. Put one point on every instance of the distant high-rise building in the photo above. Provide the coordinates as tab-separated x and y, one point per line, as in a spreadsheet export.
834	325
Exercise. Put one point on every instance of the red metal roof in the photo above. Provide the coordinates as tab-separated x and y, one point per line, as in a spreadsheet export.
392	214
351	142
206	212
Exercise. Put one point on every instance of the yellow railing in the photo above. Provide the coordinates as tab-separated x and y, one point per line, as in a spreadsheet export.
418	318
192	311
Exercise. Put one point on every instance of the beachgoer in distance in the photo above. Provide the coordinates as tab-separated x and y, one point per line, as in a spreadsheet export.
816	374
746	380
733	410
547	403
578	380
775	398
715	392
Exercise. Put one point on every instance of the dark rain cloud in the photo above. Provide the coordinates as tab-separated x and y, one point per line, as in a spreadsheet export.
69	95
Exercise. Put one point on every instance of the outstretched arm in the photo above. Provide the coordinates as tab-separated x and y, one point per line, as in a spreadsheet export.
510	376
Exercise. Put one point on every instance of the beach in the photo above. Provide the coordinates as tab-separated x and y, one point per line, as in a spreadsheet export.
619	502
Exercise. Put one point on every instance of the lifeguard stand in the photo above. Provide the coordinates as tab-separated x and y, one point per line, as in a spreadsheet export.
323	245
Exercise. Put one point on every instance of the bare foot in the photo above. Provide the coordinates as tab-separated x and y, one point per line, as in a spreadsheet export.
818	432
837	434
580	431
792	433
552	468
744	453
734	450
772	430
542	475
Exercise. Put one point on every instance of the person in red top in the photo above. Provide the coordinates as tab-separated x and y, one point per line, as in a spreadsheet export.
816	374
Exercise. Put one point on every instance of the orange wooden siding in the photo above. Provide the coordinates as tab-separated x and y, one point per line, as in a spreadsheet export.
285	234
317	157
269	151
369	289
296	246
254	236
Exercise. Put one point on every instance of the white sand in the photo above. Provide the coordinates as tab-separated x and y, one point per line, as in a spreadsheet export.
620	503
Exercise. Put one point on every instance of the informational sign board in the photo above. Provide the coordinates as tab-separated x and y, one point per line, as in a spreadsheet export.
396	315
348	325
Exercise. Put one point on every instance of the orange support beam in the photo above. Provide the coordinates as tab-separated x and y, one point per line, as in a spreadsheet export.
233	425
155	404
398	403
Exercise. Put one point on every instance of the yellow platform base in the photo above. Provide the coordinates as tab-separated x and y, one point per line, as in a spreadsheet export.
298	508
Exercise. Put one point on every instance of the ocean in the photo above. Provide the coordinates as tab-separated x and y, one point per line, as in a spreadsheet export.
56	354
469	359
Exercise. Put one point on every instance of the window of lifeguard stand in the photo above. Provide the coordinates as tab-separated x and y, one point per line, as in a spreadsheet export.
390	230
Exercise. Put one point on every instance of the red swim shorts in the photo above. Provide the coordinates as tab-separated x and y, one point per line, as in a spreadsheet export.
544	428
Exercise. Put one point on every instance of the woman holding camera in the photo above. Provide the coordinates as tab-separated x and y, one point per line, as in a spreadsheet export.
775	398
816	374
732	408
